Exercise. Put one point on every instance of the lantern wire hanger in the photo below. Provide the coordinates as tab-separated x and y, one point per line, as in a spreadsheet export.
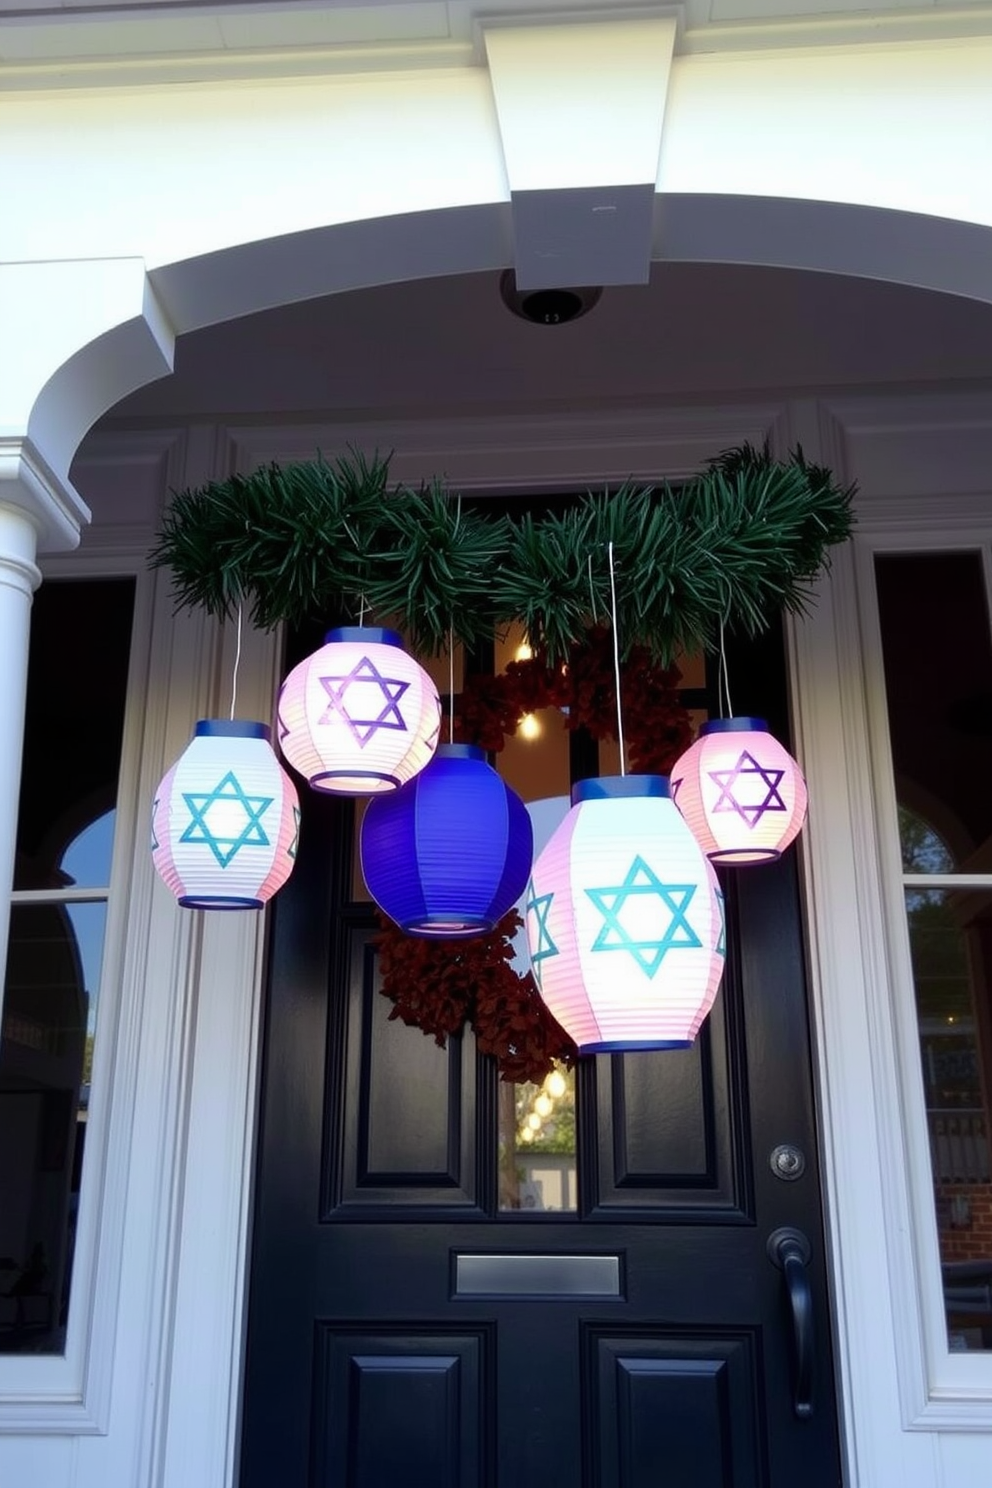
451	684
723	681
237	660
616	655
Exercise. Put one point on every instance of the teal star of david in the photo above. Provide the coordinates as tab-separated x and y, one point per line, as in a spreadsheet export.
675	898
225	794
721	945
747	766
294	846
155	841
540	906
365	674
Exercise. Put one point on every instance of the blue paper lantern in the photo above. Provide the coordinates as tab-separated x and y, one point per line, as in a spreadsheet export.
450	852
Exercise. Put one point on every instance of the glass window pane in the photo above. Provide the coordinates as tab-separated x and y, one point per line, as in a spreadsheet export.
950	934
49	1022
77	684
938	678
537	1169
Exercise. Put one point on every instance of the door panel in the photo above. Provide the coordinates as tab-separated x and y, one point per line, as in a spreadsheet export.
402	1329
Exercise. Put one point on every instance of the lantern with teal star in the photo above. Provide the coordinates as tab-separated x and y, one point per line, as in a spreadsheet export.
360	716
625	920
226	819
741	792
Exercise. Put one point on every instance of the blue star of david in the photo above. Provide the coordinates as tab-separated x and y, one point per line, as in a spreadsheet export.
641	881
155	841
365	673
749	772
294	846
223	795
540	906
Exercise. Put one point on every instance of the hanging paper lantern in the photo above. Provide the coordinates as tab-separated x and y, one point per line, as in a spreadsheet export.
226	819
625	920
741	792
449	853
359	716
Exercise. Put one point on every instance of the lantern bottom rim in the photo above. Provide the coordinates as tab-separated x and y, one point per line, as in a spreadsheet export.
447	927
743	855
219	901
633	1046
354	782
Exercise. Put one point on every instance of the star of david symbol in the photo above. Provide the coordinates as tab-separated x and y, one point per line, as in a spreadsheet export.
226	819
748	789
640	885
282	727
721	945
373	691
540	906
675	786
294	846
155	842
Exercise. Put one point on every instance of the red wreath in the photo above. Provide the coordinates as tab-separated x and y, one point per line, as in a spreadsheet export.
439	985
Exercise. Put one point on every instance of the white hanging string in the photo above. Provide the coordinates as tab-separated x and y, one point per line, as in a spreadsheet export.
616	656
451	685
723	680
237	661
592	594
361	609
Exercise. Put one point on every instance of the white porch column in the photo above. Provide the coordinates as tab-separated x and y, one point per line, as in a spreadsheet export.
77	337
19	577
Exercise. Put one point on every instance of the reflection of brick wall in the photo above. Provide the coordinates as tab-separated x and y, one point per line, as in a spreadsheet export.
965	1238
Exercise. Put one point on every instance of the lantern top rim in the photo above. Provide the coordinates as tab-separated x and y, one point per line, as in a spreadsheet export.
741	725
232	728
617	787
363	635
458	751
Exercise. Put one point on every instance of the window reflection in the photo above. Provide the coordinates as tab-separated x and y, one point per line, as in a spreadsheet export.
53	972
537	1166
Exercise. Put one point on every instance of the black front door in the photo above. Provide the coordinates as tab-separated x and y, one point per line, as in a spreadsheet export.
407	1326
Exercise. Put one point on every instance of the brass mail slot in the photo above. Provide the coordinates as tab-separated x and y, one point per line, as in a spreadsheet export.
537	1276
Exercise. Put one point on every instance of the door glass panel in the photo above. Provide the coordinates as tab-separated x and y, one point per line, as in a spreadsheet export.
938	678
537	1170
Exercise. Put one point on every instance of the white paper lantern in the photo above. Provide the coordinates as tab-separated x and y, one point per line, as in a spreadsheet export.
741	792
625	920
226	819
359	716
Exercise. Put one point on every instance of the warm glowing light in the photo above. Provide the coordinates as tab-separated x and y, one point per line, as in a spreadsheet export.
544	1105
534	1121
527	1135
556	1084
524	652
530	726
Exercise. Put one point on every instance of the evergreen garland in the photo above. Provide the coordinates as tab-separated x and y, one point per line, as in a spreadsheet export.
732	546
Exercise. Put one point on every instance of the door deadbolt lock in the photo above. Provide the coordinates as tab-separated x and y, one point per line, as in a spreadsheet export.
787	1162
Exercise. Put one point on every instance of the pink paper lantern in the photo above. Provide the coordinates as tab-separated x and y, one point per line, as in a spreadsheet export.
625	920
359	716
226	819
740	791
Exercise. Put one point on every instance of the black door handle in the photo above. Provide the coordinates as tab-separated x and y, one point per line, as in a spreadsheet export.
790	1251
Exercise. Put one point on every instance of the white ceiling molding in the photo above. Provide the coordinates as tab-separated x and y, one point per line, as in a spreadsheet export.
581	108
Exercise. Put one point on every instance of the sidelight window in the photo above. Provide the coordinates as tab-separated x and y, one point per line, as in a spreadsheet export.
77	682
937	654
